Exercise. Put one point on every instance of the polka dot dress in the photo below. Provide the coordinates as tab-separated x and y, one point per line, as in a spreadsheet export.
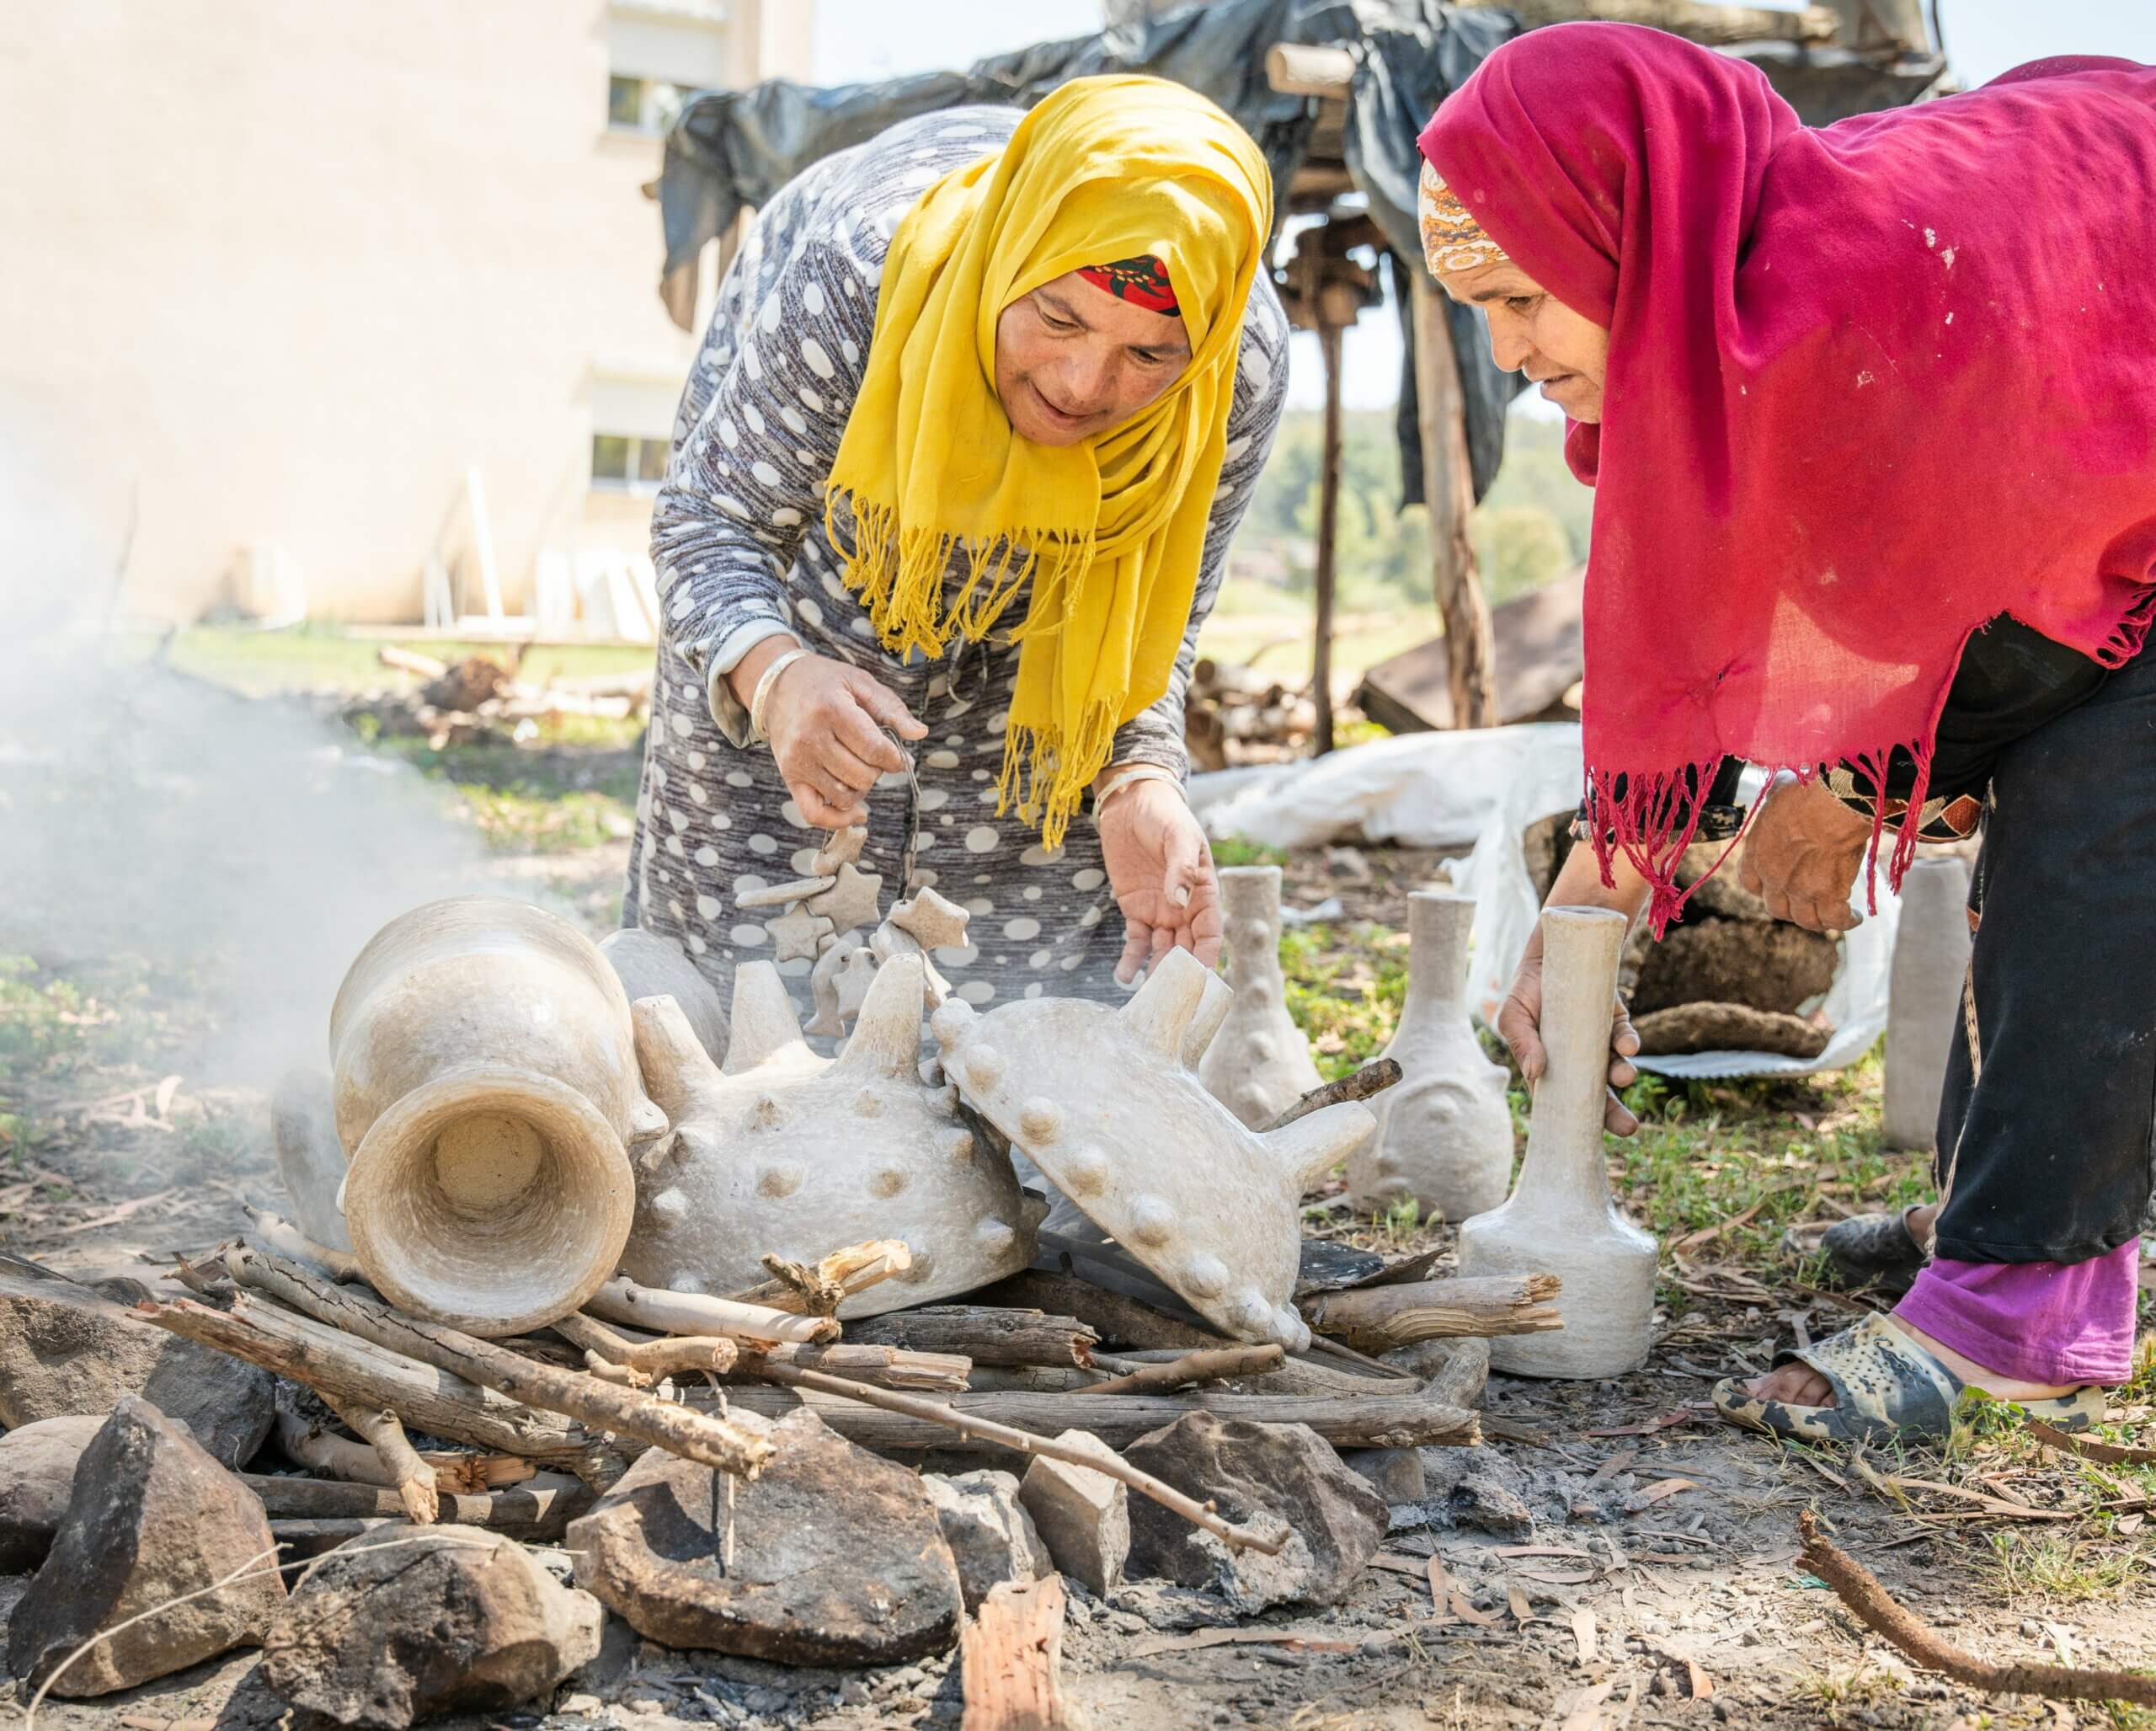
738	539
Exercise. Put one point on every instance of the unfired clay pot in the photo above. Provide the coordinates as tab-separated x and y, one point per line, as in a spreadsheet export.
651	965
1560	1218
1445	1133
1258	1063
787	1153
1103	1101
488	1094
1923	1002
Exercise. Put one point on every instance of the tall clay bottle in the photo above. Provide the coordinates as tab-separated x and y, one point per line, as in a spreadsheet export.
1258	1063
1560	1218
1445	1133
1924	1003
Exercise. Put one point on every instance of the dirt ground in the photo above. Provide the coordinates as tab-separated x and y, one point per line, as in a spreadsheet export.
1613	1558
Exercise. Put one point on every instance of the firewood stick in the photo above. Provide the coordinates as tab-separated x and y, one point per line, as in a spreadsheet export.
1372	1079
724	1444
411	1478
819	1289
969	1426
986	1334
1010	1660
275	1232
884	1367
1112	1319
540	1508
1375	1318
620	1301
1859	1590
673	1356
1195	1367
335	1363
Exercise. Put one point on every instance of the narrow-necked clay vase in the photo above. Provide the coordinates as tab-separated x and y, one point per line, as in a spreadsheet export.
487	1093
1258	1063
1560	1218
1445	1134
1924	998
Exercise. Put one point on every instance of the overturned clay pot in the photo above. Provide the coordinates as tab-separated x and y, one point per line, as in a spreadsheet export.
1260	1063
1104	1102
487	1090
787	1153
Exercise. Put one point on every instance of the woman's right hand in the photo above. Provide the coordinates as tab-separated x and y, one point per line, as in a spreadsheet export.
1519	1023
825	722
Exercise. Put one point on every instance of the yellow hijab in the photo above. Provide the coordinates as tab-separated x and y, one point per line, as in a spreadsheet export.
1110	529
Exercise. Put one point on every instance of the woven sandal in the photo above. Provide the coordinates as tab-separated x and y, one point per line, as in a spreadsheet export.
1885	1386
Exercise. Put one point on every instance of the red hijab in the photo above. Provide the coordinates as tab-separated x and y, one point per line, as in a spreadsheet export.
1870	385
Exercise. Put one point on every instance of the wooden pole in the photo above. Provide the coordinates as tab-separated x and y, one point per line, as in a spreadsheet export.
1448	486
1328	527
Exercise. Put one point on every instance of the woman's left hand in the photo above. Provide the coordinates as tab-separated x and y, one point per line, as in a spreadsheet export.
1801	856
1160	869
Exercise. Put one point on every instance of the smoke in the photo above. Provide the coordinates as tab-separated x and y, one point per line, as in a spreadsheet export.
241	852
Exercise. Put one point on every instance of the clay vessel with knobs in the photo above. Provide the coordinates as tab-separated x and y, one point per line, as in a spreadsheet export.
1445	1134
1258	1063
487	1092
1923	1000
1560	1219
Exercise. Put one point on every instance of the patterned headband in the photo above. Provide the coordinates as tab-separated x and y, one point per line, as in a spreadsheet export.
1142	281
1452	240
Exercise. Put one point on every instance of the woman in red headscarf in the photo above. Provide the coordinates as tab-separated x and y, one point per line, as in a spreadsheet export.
1871	414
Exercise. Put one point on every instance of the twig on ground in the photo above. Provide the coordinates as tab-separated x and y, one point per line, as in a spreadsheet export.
2088	1447
1209	1365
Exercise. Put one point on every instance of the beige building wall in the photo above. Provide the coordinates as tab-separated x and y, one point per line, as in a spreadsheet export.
279	272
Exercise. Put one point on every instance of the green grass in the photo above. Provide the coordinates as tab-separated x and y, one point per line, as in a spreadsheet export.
1344	990
526	801
258	663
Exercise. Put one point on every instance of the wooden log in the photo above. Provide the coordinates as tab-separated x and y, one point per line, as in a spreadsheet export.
987	1334
692	1313
880	1367
1448	490
819	1289
438	1403
1378	1420
1010	1658
411	1478
710	1441
1375	1318
1717	26
1294	1376
1207	1365
1310	69
538	1510
1112	1319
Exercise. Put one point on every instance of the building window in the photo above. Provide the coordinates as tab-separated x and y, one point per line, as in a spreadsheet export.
623	464
643	104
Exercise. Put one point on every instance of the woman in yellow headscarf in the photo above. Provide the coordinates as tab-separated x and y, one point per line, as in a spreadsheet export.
953	482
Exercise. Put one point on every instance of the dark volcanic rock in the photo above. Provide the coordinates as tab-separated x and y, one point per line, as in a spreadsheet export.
837	1558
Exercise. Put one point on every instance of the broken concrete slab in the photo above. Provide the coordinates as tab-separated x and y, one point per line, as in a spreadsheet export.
68	1351
441	1620
832	1557
991	1536
1083	1517
1247	1472
151	1519
37	1472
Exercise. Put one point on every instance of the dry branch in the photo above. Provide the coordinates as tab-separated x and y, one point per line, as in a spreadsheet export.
1372	1080
1208	1366
1376	1318
692	1313
819	1289
1859	1590
970	1427
274	1232
413	1479
539	1509
647	1362
985	1334
708	1440
1010	1660
2088	1447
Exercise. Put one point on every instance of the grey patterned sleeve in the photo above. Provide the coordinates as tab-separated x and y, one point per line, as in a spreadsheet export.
757	432
1154	735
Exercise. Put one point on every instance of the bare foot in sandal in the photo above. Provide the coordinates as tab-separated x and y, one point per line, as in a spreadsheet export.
1800	1385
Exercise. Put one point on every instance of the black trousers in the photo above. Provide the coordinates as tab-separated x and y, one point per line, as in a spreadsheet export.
2045	1152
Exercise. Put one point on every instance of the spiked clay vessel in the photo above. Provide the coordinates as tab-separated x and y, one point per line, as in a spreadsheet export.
486	1090
1104	1102
1261	1065
1560	1218
1445	1133
784	1151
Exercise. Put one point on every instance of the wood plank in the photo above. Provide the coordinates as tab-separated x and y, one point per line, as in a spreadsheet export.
1010	1660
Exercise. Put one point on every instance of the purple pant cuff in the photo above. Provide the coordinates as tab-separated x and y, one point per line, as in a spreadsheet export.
2049	1322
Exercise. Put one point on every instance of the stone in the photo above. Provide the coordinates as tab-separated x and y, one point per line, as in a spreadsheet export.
1770	967
990	1535
487	1092
649	965
786	1152
1445	1134
1252	1472
1083	1517
37	1471
66	1350
837	1558
444	1620
1478	1490
1394	1474
1561	1218
150	1518
1259	1064
1924	998
1729	1027
1092	1095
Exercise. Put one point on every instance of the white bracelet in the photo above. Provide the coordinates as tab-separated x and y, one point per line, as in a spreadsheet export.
762	694
1130	779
